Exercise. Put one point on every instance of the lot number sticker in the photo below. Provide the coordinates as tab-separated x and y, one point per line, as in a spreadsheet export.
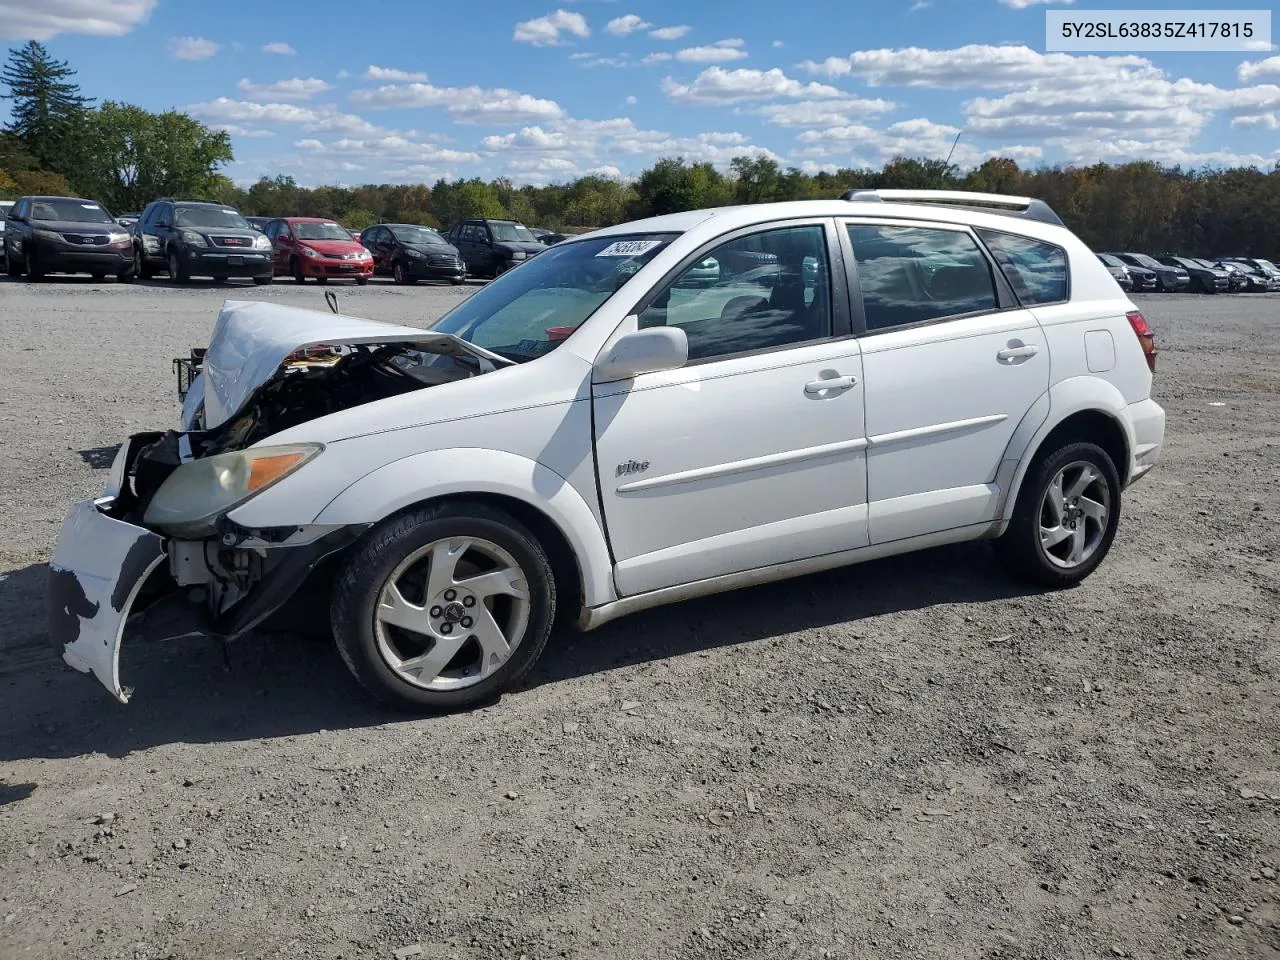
629	248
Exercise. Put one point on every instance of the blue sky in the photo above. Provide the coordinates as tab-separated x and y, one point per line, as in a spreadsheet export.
335	91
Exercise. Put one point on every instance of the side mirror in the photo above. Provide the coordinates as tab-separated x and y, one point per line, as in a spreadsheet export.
643	351
163	223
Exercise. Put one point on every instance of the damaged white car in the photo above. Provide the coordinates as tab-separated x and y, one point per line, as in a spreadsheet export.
590	435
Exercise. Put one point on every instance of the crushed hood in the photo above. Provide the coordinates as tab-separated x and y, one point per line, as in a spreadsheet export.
251	339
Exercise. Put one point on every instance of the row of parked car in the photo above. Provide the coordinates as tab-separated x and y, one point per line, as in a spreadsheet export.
187	238
1171	274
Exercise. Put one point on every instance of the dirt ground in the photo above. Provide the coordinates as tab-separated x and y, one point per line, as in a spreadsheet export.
912	758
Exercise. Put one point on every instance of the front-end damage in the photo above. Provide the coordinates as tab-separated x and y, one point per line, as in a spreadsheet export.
157	545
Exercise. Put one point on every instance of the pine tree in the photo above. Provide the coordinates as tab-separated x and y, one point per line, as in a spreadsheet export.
47	109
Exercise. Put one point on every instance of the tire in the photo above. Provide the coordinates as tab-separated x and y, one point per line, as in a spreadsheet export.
295	267
177	272
399	552
362	281
1022	548
458	283
322	280
400	274
126	275
33	271
12	267
140	266
263	281
98	277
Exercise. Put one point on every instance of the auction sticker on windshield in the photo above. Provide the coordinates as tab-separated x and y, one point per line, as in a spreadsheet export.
629	248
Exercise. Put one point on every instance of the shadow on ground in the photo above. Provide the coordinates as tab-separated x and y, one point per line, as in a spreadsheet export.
194	690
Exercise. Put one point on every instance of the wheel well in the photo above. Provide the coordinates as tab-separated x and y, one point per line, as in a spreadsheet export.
1095	427
564	563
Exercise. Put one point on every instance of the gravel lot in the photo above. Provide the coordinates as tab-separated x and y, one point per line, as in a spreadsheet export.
911	758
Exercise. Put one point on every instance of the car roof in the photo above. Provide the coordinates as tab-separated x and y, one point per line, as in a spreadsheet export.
300	219
74	199
420	226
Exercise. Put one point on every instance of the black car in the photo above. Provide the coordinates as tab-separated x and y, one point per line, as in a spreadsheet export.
1168	279
492	247
199	238
44	235
1128	275
1205	279
1257	278
259	223
1236	280
410	252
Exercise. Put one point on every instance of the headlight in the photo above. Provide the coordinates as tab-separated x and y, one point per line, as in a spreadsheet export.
117	238
414	255
194	239
308	252
363	255
260	242
193	498
48	235
517	255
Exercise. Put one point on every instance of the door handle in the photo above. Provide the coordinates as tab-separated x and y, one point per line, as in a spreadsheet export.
830	383
1017	352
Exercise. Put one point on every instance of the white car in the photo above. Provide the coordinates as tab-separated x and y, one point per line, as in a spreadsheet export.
588	436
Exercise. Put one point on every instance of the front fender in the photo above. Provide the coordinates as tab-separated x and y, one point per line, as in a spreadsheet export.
474	470
1066	398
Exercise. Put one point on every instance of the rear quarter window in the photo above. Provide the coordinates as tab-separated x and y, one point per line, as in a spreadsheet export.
1036	270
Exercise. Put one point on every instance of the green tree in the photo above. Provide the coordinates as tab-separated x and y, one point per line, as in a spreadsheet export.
756	180
672	185
358	219
138	156
462	199
48	111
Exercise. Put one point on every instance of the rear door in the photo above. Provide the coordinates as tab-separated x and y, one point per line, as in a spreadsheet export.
752	453
952	363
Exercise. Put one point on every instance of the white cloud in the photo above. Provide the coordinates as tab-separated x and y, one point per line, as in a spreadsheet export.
546	31
294	89
344	73
1268	69
279	47
670	33
319	119
656	58
238	131
390	73
390	148
870	146
716	85
719	52
631	101
192	48
43	19
821	113
463	104
630	23
1268	121
777	44
1023	4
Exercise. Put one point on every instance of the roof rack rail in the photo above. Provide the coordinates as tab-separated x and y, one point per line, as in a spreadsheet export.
186	200
1027	208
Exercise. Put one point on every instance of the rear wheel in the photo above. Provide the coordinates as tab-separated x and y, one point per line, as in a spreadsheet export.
1066	516
295	267
444	607
11	266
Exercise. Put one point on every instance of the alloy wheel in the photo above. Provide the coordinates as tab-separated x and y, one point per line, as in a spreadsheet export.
1074	514
452	613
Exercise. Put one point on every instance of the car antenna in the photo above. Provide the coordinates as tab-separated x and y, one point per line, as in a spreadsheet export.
331	299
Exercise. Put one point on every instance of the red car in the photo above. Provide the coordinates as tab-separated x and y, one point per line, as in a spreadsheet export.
315	247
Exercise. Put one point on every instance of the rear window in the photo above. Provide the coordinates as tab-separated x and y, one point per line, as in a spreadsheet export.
1036	270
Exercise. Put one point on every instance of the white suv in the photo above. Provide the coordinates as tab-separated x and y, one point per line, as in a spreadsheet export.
595	433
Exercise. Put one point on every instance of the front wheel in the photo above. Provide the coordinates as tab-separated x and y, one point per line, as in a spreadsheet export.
1065	518
140	266
34	271
445	607
177	272
399	273
263	281
362	281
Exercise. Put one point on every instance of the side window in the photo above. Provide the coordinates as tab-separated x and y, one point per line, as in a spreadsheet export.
757	292
915	274
1036	270
273	230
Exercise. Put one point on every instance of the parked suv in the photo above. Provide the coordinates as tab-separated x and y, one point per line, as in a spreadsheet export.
911	369
409	253
492	247
198	238
1168	278
1205	278
44	235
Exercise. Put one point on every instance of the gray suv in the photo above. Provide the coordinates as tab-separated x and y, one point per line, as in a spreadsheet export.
198	238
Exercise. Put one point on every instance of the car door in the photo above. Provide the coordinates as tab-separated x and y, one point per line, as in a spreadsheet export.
380	245
15	231
467	245
148	235
276	232
752	453
952	364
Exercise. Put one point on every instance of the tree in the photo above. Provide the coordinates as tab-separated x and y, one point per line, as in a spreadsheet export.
464	199
756	179
671	185
358	219
48	111
138	156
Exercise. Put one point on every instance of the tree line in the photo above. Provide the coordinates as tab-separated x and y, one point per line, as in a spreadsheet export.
59	142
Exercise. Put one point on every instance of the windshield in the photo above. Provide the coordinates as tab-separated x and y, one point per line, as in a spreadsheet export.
217	217
320	231
509	232
1267	266
73	211
1111	261
1146	261
417	235
532	309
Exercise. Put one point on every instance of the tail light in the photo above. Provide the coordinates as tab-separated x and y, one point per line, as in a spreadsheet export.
1146	336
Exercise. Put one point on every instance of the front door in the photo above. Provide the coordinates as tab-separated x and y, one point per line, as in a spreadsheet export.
751	454
952	365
